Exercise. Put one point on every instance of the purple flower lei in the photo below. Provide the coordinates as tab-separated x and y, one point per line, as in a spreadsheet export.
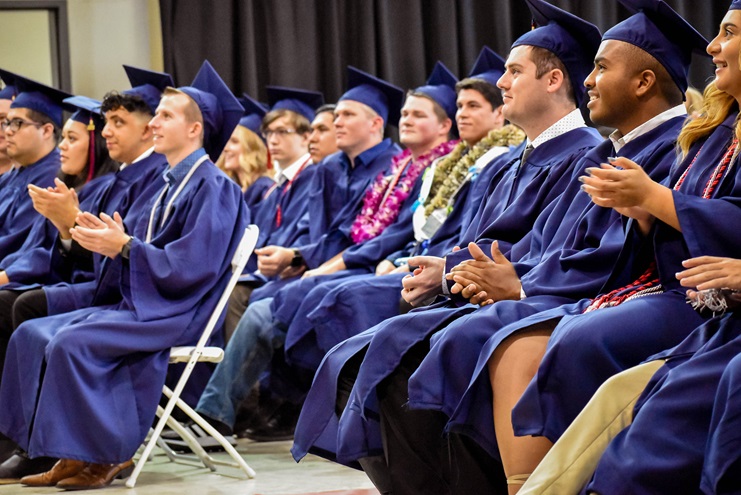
380	206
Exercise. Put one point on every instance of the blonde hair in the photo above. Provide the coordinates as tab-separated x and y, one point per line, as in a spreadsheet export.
253	160
715	109
694	100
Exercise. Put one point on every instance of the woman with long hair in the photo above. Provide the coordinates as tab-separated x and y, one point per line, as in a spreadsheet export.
84	154
245	160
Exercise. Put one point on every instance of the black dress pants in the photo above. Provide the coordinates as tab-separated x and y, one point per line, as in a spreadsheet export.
17	306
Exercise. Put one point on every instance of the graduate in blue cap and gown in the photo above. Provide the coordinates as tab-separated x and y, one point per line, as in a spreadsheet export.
159	286
7	94
32	127
245	156
548	168
282	217
129	141
86	167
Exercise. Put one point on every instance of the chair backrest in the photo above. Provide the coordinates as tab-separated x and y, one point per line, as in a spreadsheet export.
239	261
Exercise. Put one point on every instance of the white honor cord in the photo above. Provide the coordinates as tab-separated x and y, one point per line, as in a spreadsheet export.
150	227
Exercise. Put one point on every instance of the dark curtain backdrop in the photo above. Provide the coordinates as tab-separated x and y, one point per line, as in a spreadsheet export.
308	43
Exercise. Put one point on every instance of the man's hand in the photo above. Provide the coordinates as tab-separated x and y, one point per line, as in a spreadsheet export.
426	280
272	260
104	235
483	280
59	204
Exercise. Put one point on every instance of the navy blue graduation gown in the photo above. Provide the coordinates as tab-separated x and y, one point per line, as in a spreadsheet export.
387	342
129	193
336	196
568	255
32	265
17	216
340	308
510	219
255	193
298	297
721	473
672	418
616	338
105	365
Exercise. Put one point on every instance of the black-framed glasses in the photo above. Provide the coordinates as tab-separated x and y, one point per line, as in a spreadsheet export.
281	133
16	124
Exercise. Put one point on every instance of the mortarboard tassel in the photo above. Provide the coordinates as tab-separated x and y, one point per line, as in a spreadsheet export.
91	148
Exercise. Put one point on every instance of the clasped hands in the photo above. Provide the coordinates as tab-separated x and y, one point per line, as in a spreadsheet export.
105	235
482	280
59	204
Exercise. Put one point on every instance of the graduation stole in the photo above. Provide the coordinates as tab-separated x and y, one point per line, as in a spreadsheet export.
453	170
648	283
384	198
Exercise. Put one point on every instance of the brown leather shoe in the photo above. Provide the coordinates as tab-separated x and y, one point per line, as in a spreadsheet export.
97	476
63	469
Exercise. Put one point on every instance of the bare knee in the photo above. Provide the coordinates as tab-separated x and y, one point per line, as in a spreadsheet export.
518	356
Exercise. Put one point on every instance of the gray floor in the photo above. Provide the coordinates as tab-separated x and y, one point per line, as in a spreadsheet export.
277	474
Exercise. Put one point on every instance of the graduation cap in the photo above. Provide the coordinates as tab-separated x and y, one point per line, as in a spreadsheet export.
220	109
87	112
658	30
254	111
489	66
573	40
383	97
148	85
39	97
440	87
9	91
301	101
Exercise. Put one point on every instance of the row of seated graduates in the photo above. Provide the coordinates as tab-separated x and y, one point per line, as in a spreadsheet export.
417	375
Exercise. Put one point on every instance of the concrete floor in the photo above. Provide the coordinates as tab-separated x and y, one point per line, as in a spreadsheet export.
277	474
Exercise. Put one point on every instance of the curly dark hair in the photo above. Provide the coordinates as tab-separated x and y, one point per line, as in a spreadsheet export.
131	103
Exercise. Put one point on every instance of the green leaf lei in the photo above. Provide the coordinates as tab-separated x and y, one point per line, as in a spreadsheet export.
452	170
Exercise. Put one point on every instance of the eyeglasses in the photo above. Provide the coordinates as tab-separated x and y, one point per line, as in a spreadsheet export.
16	124
281	133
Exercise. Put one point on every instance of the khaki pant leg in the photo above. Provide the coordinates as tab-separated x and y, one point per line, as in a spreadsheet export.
569	465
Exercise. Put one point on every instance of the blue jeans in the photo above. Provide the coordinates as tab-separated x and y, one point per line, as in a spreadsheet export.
246	356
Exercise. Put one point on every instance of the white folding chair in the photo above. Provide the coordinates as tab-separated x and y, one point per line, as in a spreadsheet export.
193	355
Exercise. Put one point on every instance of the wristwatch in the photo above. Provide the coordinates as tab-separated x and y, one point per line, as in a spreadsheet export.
297	260
126	249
